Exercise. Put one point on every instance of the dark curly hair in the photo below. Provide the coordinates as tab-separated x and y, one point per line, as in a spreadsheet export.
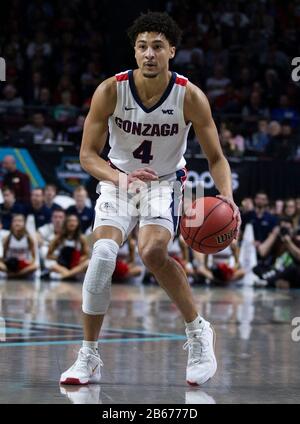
155	22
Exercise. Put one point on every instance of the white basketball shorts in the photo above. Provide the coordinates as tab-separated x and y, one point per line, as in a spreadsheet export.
159	203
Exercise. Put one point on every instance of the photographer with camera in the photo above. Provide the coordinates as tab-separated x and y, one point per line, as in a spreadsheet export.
284	245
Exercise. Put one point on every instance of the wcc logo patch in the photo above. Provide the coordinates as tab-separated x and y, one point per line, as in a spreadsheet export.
168	111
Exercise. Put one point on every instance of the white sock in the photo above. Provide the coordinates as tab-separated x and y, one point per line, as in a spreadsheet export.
91	345
196	324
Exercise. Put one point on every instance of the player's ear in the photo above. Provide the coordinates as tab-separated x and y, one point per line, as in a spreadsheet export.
172	52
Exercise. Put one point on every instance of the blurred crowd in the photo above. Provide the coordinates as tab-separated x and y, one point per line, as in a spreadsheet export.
52	234
276	227
238	52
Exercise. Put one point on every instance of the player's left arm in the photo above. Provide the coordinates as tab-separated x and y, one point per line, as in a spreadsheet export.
197	111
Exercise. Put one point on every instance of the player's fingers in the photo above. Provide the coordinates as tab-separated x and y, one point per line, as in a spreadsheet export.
239	222
231	203
150	170
144	175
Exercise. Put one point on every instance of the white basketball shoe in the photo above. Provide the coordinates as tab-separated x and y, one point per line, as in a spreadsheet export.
202	363
86	369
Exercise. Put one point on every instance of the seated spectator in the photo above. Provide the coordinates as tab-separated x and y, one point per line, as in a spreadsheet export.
272	87
46	233
255	109
223	269
289	277
231	145
278	210
9	207
84	213
230	19
11	104
50	191
259	141
18	251
285	112
290	212
229	101
263	222
65	111
75	133
43	102
179	251
38	209
215	86
298	205
246	205
90	79
3	235
39	46
126	265
68	252
15	179
34	88
41	133
283	245
282	142
65	84
189	53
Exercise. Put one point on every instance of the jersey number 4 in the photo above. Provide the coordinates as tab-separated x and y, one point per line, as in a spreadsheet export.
143	152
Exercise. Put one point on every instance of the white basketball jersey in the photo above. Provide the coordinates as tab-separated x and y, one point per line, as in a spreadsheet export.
154	137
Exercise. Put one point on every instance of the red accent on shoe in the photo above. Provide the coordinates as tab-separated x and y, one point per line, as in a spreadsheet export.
74	381
192	384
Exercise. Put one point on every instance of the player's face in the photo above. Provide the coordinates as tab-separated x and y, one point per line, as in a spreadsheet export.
152	53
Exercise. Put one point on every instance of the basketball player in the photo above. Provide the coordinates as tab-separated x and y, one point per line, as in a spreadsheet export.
148	113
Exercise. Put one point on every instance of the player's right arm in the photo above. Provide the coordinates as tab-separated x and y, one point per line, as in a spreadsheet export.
95	133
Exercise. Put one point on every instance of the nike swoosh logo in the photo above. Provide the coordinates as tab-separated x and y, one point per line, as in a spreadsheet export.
95	368
129	108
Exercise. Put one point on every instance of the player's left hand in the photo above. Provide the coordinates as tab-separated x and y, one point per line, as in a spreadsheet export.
236	213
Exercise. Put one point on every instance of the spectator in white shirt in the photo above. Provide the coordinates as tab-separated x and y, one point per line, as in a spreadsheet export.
216	85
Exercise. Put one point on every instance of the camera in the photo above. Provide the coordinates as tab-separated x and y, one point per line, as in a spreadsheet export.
284	231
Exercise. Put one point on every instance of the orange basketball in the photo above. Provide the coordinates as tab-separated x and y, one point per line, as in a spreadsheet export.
208	226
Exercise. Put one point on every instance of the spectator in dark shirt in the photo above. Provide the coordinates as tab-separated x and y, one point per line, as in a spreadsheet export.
286	112
44	101
263	221
259	141
50	192
41	133
11	104
37	207
15	179
75	133
84	213
255	109
9	207
283	144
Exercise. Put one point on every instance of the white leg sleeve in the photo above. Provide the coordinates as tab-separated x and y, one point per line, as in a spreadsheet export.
97	282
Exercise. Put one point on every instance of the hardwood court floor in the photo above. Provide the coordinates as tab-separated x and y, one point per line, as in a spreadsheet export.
40	332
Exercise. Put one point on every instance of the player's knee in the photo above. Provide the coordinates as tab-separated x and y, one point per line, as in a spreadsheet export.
97	282
154	256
